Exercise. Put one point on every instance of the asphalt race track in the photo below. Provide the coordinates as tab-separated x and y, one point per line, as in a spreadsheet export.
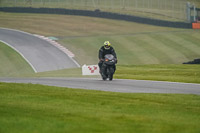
40	54
117	85
43	56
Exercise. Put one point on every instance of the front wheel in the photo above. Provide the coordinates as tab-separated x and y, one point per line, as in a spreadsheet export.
104	77
111	72
111	77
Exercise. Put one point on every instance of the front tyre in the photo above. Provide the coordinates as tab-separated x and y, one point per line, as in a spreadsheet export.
111	77
104	77
111	72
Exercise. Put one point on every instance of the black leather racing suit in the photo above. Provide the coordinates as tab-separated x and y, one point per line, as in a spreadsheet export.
103	52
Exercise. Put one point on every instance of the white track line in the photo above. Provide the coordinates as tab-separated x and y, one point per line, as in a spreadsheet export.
21	55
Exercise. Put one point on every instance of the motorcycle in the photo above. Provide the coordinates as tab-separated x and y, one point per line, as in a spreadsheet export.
108	67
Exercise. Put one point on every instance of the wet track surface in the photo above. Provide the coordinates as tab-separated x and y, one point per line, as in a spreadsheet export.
117	85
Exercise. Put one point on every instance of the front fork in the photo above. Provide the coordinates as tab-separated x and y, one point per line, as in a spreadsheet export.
107	70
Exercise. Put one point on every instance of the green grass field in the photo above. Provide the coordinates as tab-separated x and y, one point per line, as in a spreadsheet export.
175	73
142	48
36	108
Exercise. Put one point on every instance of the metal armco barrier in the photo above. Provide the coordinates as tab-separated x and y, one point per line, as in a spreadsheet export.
98	14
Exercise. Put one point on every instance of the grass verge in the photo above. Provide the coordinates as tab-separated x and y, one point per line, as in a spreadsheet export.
172	72
37	108
175	73
12	63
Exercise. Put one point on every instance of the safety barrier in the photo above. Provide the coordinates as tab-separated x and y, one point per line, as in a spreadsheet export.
99	14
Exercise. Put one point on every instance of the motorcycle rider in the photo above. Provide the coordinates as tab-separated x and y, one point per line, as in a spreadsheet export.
106	49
